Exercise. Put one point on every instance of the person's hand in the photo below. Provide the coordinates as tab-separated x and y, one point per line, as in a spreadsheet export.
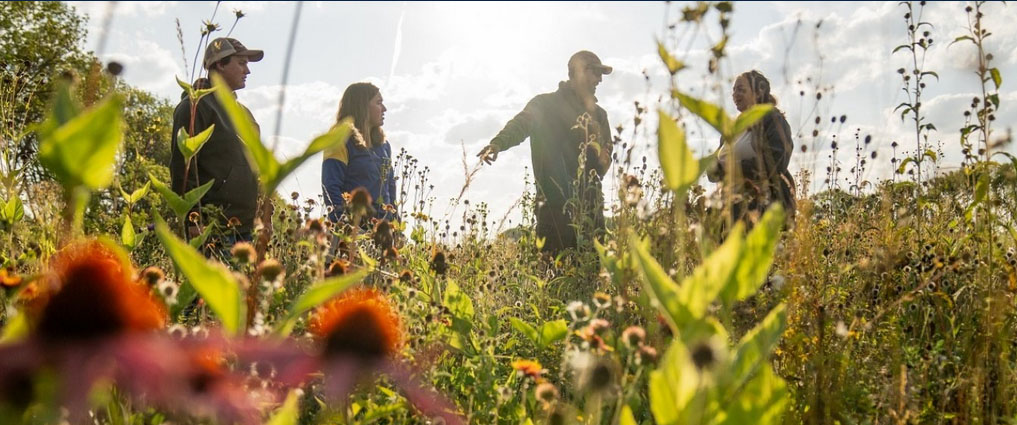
489	154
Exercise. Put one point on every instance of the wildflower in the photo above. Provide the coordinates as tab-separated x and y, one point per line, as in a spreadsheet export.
193	217
382	235
599	326
90	294
546	393
406	276
579	311
438	262
169	290
315	226
647	355
602	300
360	323
359	202
529	368
595	374
633	336
270	270
294	196
391	254
8	278
152	275
338	267
243	252
703	356
233	222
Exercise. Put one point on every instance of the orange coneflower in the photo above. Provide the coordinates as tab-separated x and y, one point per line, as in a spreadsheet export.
90	293
8	278
530	368
359	323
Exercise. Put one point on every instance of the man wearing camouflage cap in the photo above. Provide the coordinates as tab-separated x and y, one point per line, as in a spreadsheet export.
570	143
222	159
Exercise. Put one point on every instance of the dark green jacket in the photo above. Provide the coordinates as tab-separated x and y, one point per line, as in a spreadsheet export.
553	123
222	159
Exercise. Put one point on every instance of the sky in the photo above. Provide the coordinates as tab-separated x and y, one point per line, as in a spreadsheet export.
453	73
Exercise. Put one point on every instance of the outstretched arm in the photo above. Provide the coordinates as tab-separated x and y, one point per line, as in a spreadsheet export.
515	131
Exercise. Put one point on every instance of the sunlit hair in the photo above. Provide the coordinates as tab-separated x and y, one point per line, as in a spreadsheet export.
760	87
355	104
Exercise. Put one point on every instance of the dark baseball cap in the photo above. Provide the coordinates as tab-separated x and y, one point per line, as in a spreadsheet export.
591	60
222	47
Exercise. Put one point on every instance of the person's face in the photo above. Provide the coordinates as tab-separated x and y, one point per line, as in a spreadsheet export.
742	94
587	78
235	72
376	111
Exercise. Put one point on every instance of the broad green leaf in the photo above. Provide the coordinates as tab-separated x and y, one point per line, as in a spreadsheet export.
212	281
81	152
317	295
526	329
13	210
701	288
757	256
189	146
748	118
903	165
712	114
268	166
673	65
137	195
186	86
762	401
982	188
180	205
626	417
62	111
754	350
662	288
127	235
996	78
337	135
553	331
672	387
457	301
288	413
198	241
680	168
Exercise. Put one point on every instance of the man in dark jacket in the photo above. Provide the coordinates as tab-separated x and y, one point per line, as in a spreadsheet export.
222	159
570	141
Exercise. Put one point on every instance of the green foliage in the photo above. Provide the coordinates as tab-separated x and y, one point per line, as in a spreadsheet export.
317	295
213	282
189	146
180	205
12	211
287	413
79	149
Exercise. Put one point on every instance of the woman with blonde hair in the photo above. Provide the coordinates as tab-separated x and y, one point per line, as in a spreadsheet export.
365	160
760	155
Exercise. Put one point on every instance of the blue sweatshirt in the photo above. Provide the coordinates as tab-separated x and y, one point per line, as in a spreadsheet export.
348	167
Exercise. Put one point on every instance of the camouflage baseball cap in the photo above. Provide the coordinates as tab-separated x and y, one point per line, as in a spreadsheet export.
223	47
591	60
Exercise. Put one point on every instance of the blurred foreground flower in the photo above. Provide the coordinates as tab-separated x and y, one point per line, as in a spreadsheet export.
92	323
359	336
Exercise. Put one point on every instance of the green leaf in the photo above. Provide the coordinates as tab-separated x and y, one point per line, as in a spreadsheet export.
996	78
212	281
712	114
457	301
754	350
626	417
553	331
198	241
288	413
16	329
526	329
127	236
186	86
81	152
317	295
748	118
137	195
680	168
902	46
180	205
673	65
13	210
672	388
717	272
189	146
762	401
268	166
903	165
961	38
663	289
336	136
757	256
